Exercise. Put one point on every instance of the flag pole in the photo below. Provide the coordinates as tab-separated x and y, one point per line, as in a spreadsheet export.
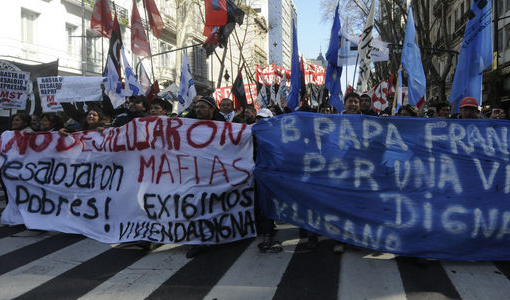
395	97
354	74
148	39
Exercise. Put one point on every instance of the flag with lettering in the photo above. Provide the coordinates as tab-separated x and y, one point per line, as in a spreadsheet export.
101	19
475	54
139	43
364	50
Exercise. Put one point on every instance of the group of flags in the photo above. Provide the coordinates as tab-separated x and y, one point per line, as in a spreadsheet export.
221	17
475	57
102	23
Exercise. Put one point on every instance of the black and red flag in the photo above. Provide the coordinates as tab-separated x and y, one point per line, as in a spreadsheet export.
218	35
115	45
238	91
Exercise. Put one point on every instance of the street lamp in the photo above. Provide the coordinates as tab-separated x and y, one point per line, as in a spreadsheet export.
226	76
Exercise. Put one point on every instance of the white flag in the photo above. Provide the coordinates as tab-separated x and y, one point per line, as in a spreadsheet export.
364	49
113	86
132	86
187	86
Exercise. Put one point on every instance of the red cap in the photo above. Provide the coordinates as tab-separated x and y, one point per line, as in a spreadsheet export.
469	101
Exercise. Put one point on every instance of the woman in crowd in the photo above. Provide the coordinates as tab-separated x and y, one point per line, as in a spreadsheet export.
21	121
50	122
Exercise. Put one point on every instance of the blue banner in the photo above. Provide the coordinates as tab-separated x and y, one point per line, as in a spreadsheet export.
410	186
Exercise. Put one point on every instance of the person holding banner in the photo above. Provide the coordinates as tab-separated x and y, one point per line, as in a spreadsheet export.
443	110
21	121
206	109
160	107
93	119
352	104
138	106
50	122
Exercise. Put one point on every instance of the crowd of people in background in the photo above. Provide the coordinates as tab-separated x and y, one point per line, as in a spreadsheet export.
100	115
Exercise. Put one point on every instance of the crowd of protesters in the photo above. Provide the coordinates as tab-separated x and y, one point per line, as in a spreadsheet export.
100	115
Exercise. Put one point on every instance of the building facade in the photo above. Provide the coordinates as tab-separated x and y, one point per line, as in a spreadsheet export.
279	15
42	31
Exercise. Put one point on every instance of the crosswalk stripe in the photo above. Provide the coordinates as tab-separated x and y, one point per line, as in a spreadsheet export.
22	239
29	276
503	267
82	278
311	269
140	279
200	275
10	230
478	281
27	254
256	275
364	276
428	279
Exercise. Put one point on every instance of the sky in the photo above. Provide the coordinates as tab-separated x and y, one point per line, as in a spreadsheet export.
313	35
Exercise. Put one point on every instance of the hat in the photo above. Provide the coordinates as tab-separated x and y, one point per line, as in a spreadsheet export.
469	101
264	113
209	100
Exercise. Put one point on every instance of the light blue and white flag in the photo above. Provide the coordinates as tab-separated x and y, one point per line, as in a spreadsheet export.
113	87
411	61
132	86
334	69
475	54
187	86
295	73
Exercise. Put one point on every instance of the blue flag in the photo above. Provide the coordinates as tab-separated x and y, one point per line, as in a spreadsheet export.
411	61
133	87
334	70
295	73
475	54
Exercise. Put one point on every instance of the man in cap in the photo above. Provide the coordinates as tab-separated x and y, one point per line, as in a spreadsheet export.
469	108
206	109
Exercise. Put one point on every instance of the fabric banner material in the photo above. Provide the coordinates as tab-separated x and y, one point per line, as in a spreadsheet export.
411	186
80	89
47	91
13	89
224	92
154	179
273	74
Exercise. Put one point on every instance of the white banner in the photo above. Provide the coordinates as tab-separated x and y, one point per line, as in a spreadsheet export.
80	89
155	179
13	89
47	91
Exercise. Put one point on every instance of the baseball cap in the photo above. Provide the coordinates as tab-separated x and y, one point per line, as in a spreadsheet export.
209	100
469	101
265	113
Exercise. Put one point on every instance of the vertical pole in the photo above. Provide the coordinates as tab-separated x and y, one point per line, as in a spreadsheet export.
355	66
83	41
148	39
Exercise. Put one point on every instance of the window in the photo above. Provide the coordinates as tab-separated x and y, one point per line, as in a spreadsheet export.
72	39
449	25
94	55
164	57
199	62
28	25
500	40
507	35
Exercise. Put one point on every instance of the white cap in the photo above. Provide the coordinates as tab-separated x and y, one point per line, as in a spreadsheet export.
264	113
